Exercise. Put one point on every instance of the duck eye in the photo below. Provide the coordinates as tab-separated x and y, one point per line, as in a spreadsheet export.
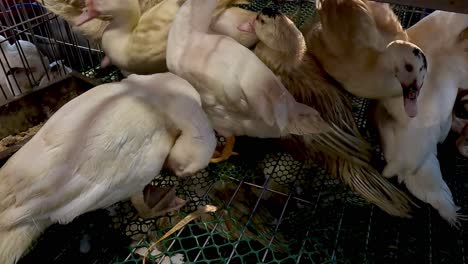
409	67
262	21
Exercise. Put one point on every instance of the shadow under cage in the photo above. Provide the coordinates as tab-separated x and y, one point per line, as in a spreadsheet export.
273	208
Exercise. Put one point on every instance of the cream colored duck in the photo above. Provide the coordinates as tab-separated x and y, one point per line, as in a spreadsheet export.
410	145
136	41
100	148
363	46
282	47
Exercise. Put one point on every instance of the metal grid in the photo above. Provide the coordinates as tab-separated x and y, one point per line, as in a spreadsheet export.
33	40
274	209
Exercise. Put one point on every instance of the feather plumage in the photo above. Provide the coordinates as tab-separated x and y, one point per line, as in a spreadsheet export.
282	47
100	148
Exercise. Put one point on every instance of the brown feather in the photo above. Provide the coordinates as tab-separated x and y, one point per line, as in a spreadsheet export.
343	151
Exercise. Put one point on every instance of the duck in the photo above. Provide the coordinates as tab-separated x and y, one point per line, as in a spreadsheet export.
363	46
282	47
102	147
24	65
410	144
129	40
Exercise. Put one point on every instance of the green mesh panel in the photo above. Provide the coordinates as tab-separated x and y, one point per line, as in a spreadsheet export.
298	11
275	209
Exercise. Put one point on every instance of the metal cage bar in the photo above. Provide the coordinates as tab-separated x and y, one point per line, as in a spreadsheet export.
38	47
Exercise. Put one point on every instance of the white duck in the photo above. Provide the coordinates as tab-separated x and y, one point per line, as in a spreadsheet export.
100	148
24	65
240	94
135	41
410	145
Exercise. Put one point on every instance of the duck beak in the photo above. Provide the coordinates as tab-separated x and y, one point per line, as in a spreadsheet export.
89	12
86	16
410	95
248	26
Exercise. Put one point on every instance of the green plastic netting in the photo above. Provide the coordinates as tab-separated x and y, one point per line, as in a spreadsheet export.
275	209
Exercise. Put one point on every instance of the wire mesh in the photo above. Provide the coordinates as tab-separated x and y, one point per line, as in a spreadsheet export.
38	47
274	209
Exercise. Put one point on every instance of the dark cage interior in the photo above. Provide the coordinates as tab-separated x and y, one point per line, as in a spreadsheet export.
273	208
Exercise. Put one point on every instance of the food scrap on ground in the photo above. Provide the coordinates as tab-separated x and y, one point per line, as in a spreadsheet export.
12	140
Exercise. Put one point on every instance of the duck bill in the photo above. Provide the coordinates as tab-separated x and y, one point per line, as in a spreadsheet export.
87	15
89	12
248	26
410	99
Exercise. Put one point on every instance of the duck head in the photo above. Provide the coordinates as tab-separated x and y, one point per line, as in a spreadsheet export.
277	31
226	23
409	66
107	8
264	23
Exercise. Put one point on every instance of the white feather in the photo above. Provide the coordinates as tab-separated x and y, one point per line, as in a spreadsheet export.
240	94
100	148
410	144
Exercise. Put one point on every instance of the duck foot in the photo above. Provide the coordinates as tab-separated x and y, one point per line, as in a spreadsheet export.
226	152
156	201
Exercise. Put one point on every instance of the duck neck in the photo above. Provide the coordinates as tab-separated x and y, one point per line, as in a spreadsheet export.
194	15
390	95
394	107
116	36
280	57
394	102
386	83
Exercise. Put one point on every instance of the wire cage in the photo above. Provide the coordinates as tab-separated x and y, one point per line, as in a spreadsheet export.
38	47
273	208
